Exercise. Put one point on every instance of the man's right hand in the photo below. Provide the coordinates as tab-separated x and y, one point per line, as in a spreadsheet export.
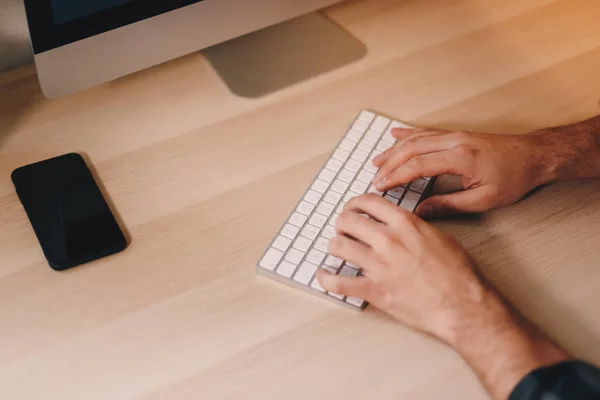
496	170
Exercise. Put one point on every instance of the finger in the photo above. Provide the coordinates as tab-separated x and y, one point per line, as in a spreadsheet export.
356	287
432	164
363	229
410	148
353	251
468	201
382	158
379	208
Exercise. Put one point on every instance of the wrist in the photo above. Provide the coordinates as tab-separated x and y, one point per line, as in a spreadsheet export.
566	152
502	347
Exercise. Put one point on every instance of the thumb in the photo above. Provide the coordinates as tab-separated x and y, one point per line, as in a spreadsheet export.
468	201
350	286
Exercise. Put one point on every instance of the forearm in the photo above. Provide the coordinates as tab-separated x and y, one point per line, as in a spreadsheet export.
568	152
502	348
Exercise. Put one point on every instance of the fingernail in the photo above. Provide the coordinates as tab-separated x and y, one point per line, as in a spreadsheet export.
380	183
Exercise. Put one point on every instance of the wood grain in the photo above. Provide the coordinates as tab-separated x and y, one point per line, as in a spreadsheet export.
202	179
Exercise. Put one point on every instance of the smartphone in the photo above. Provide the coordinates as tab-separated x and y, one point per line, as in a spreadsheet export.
71	219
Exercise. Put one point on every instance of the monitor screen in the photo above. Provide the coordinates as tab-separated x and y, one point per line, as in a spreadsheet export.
69	10
55	23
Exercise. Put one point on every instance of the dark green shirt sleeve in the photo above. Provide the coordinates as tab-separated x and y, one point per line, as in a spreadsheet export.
570	380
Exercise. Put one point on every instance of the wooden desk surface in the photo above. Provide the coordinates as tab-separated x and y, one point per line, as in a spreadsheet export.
202	180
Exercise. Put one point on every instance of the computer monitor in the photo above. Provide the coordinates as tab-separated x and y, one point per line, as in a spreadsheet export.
81	43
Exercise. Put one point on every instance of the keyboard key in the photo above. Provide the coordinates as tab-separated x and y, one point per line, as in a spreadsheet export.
336	295
310	231
334	218
356	267
341	155
294	256
313	196
359	187
391	199
325	209
340	208
383	145
321	244
334	165
348	271
353	135
373	189
332	197
397	192
374	154
329	269
346	175
334	262
359	155
339	186
305	273
320	186
360	126
387	136
305	208
316	285
366	145
318	220
271	259
298	219
350	195
398	124
370	167
410	200
355	301
286	269
315	256
427	178
365	176
290	231
380	124
327	175
302	244
347	145
419	185
329	231
373	136
366	116
353	165
282	243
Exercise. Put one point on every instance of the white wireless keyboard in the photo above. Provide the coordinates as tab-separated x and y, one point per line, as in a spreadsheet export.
300	247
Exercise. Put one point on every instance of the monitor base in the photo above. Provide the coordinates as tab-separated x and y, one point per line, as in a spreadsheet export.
282	55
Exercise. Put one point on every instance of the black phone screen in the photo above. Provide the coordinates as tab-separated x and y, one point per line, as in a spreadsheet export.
69	215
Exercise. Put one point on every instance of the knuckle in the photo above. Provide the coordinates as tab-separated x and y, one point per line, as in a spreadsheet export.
418	162
386	243
465	150
410	143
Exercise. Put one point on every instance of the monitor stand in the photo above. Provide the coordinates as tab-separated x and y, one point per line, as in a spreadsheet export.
279	56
